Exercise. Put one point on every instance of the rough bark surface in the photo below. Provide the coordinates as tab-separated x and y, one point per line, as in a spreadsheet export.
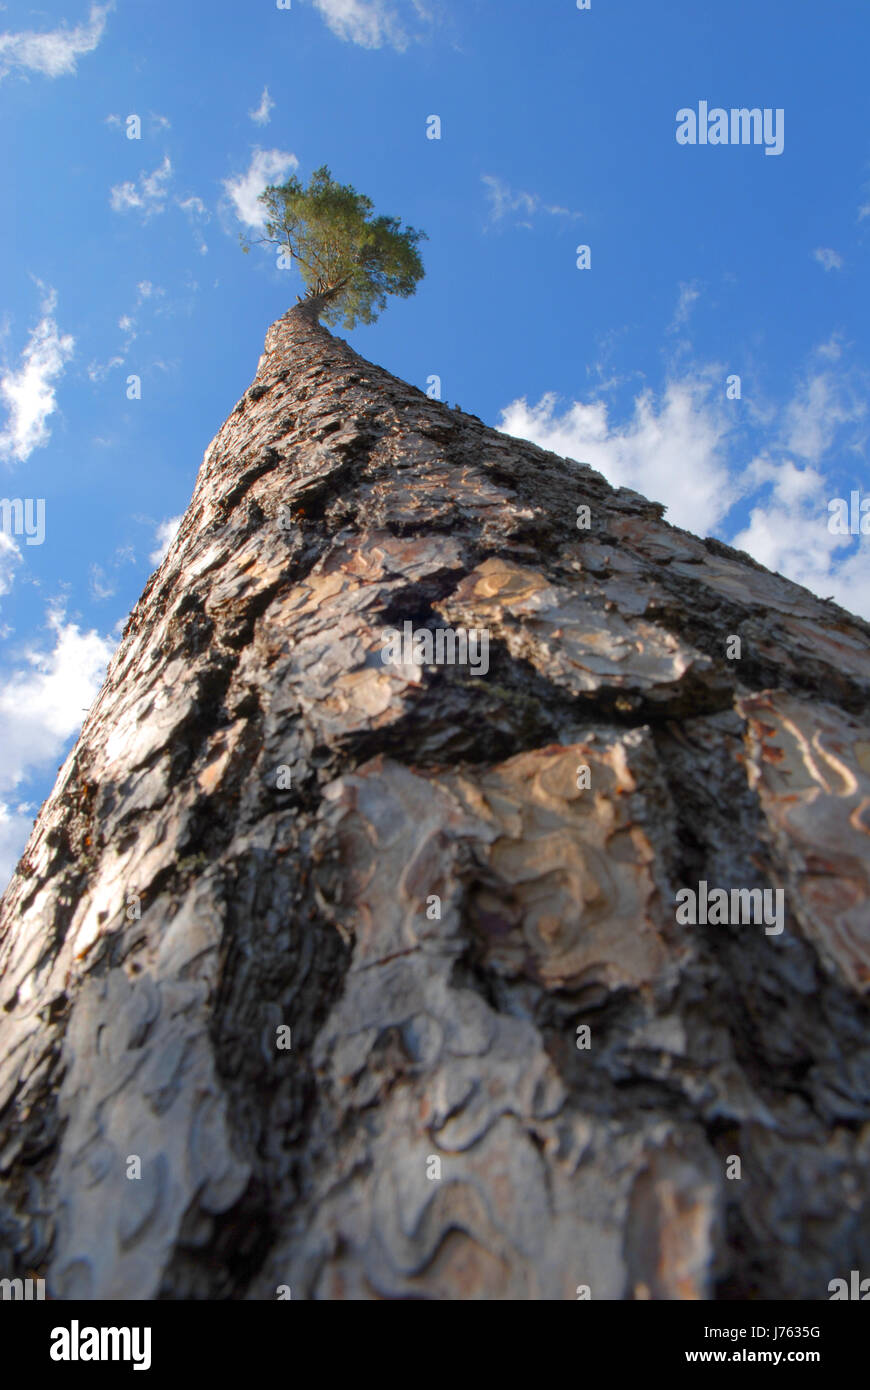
152	1030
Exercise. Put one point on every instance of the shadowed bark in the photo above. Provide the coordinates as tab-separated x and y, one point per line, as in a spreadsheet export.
263	826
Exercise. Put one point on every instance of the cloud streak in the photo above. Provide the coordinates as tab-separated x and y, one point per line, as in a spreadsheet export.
54	52
261	114
164	536
827	258
504	200
368	23
788	532
28	391
673	450
682	448
823	402
243	190
41	707
147	196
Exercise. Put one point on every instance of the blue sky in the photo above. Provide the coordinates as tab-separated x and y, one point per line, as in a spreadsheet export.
557	130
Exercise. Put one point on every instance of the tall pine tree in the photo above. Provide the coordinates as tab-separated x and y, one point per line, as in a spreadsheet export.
366	979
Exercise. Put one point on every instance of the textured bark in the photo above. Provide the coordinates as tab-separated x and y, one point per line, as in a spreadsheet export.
257	646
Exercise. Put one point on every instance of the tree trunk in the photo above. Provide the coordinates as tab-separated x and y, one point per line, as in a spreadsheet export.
513	1067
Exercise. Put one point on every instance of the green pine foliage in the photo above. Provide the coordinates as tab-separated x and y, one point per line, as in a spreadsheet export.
343	253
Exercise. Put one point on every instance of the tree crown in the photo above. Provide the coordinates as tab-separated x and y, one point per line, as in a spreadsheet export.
345	255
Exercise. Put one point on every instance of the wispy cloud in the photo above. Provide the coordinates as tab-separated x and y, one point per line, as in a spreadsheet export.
53	52
243	190
374	23
195	211
98	371
147	196
129	326
829	259
164	536
42	705
504	201
788	532
672	448
193	205
28	391
822	403
261	114
682	448
101	586
689	294
10	558
832	350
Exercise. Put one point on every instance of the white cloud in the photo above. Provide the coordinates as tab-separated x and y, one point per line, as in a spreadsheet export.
145	289
28	392
101	586
684	449
41	706
689	293
262	113
788	527
148	196
98	371
369	23
788	532
55	51
195	208
849	582
822	403
193	205
10	556
164	536
831	260
832	350
266	166
504	200
673	450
